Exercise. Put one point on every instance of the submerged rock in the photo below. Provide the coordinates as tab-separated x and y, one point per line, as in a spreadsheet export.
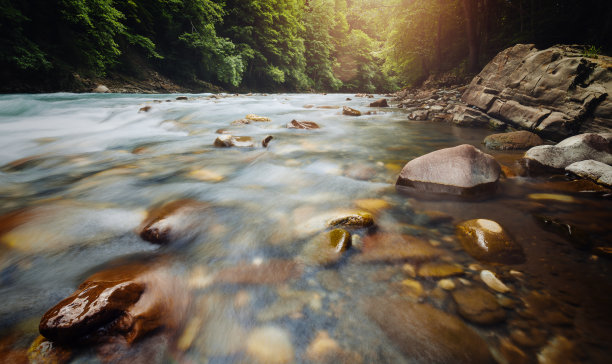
578	148
327	248
486	240
379	103
461	170
477	305
128	301
266	141
256	118
439	270
350	112
522	139
172	221
270	345
227	140
386	247
295	124
493	282
268	272
425	334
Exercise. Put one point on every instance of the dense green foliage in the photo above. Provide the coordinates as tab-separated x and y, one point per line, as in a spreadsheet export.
292	45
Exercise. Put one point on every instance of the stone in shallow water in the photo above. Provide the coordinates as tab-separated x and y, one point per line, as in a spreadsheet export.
270	272
425	334
514	140
326	248
386	247
127	301
493	282
270	345
350	112
307	125
172	221
227	140
477	305
379	103
439	270
461	170
359	219
593	170
486	240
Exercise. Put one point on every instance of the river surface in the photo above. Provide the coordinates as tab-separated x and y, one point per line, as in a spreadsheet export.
78	174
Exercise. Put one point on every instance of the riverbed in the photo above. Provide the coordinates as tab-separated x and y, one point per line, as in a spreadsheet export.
80	172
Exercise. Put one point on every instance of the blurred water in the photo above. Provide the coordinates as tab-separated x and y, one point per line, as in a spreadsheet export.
81	171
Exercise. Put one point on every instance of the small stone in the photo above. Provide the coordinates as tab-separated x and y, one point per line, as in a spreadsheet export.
385	247
412	287
45	351
206	175
409	269
511	353
145	109
322	348
359	220
446	284
350	112
256	118
373	205
307	125
551	197
182	98
477	305
266	141
486	240
328	107
558	351
227	140
379	103
493	282
270	345
327	248
101	89
439	270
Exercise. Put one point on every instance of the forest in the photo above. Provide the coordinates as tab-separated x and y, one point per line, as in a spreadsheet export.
280	45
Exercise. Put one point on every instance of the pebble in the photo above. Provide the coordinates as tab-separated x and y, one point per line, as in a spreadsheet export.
446	284
551	197
493	282
439	270
270	345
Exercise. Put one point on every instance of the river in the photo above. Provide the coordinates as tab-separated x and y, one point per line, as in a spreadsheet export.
80	172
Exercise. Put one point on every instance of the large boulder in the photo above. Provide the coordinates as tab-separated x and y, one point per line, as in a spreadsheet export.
555	92
461	170
574	149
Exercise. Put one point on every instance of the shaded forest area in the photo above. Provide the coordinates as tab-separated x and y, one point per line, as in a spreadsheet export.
279	45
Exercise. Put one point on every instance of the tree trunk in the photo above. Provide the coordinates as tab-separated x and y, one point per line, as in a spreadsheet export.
470	8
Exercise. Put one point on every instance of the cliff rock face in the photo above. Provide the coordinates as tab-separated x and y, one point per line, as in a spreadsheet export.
556	92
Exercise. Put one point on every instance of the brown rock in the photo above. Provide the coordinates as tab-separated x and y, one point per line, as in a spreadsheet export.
270	272
145	109
478	305
514	140
486	240
295	124
439	270
350	112
462	170
266	141
171	221
425	334
327	248
227	140
359	219
385	247
127	301
182	98
379	103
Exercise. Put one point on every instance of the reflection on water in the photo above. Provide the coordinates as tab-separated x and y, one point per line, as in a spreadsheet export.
81	176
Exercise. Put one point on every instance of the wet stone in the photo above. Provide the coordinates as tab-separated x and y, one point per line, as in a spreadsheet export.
350	112
326	248
171	221
359	219
477	305
439	270
513	141
379	103
227	140
487	241
493	282
270	345
386	247
307	125
274	271
425	334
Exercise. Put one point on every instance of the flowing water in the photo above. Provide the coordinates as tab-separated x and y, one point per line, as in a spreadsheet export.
80	172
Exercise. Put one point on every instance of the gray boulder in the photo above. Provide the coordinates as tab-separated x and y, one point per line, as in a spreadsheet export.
574	149
101	89
555	92
599	172
461	170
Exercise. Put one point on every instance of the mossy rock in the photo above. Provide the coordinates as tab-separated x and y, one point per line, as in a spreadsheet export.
359	219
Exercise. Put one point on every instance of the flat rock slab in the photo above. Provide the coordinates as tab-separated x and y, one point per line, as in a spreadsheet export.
461	170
